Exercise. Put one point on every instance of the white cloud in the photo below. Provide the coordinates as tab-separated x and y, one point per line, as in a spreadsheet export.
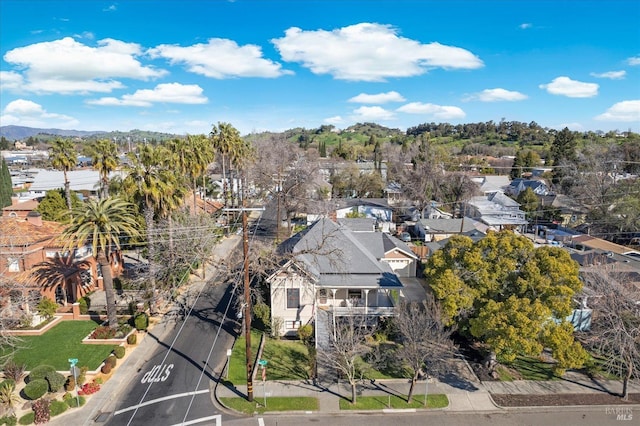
334	120
525	26
372	113
634	60
496	95
163	93
67	66
622	111
435	111
378	98
613	75
10	80
369	52
23	112
111	8
571	88
221	58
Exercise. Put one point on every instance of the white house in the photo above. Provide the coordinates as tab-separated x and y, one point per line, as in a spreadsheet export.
334	271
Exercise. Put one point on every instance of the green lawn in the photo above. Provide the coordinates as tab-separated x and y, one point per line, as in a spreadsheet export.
286	359
383	401
60	343
529	369
273	404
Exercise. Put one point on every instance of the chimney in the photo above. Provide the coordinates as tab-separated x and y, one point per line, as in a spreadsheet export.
34	218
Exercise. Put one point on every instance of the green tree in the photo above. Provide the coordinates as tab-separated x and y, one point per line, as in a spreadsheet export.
64	157
6	188
528	201
104	156
226	142
563	153
102	224
54	206
156	190
509	295
192	156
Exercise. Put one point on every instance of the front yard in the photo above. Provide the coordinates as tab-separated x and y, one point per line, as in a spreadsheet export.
58	344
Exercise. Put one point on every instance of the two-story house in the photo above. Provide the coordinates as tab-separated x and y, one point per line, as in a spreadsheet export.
332	271
496	210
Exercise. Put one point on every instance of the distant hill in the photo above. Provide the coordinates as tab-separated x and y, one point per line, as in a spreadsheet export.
20	132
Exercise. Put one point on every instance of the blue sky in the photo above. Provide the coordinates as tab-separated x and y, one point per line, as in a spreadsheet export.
182	66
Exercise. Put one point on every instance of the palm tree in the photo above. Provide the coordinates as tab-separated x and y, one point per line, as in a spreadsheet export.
64	157
226	141
154	188
192	156
104	156
102	224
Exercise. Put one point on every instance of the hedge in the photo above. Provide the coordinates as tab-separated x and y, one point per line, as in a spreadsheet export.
36	389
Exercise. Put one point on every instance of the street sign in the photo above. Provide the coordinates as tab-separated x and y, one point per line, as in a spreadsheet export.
73	361
262	362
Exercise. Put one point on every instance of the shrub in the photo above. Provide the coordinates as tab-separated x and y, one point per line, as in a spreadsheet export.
41	410
111	359
89	388
141	321
305	332
84	306
7	383
58	407
76	401
14	371
98	380
47	307
103	332
36	389
40	372
119	351
8	420
132	339
70	384
106	368
82	377
262	314
27	419
55	380
8	398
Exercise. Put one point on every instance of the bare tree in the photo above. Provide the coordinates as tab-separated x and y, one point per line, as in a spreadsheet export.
615	326
17	301
347	346
426	342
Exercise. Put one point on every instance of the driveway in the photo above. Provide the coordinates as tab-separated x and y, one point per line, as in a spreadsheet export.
413	290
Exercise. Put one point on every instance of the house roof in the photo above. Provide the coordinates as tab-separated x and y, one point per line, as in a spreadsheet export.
17	232
334	255
79	180
381	243
448	226
18	205
358	224
492	183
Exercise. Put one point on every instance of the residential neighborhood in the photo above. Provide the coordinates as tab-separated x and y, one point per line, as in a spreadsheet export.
343	252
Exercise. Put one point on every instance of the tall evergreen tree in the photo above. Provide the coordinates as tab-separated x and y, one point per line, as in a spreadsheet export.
6	189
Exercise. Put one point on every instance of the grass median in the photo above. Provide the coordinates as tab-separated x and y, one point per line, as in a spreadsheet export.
382	402
274	403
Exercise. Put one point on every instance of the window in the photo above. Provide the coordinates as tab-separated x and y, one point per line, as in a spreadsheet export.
14	266
293	298
292	325
355	294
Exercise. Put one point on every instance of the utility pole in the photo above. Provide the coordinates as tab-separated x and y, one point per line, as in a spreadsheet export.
247	296
247	303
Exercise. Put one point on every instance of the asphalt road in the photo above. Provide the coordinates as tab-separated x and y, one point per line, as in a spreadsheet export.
175	383
599	416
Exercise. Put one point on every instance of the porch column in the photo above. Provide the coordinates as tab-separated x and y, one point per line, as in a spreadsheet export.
366	301
333	293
